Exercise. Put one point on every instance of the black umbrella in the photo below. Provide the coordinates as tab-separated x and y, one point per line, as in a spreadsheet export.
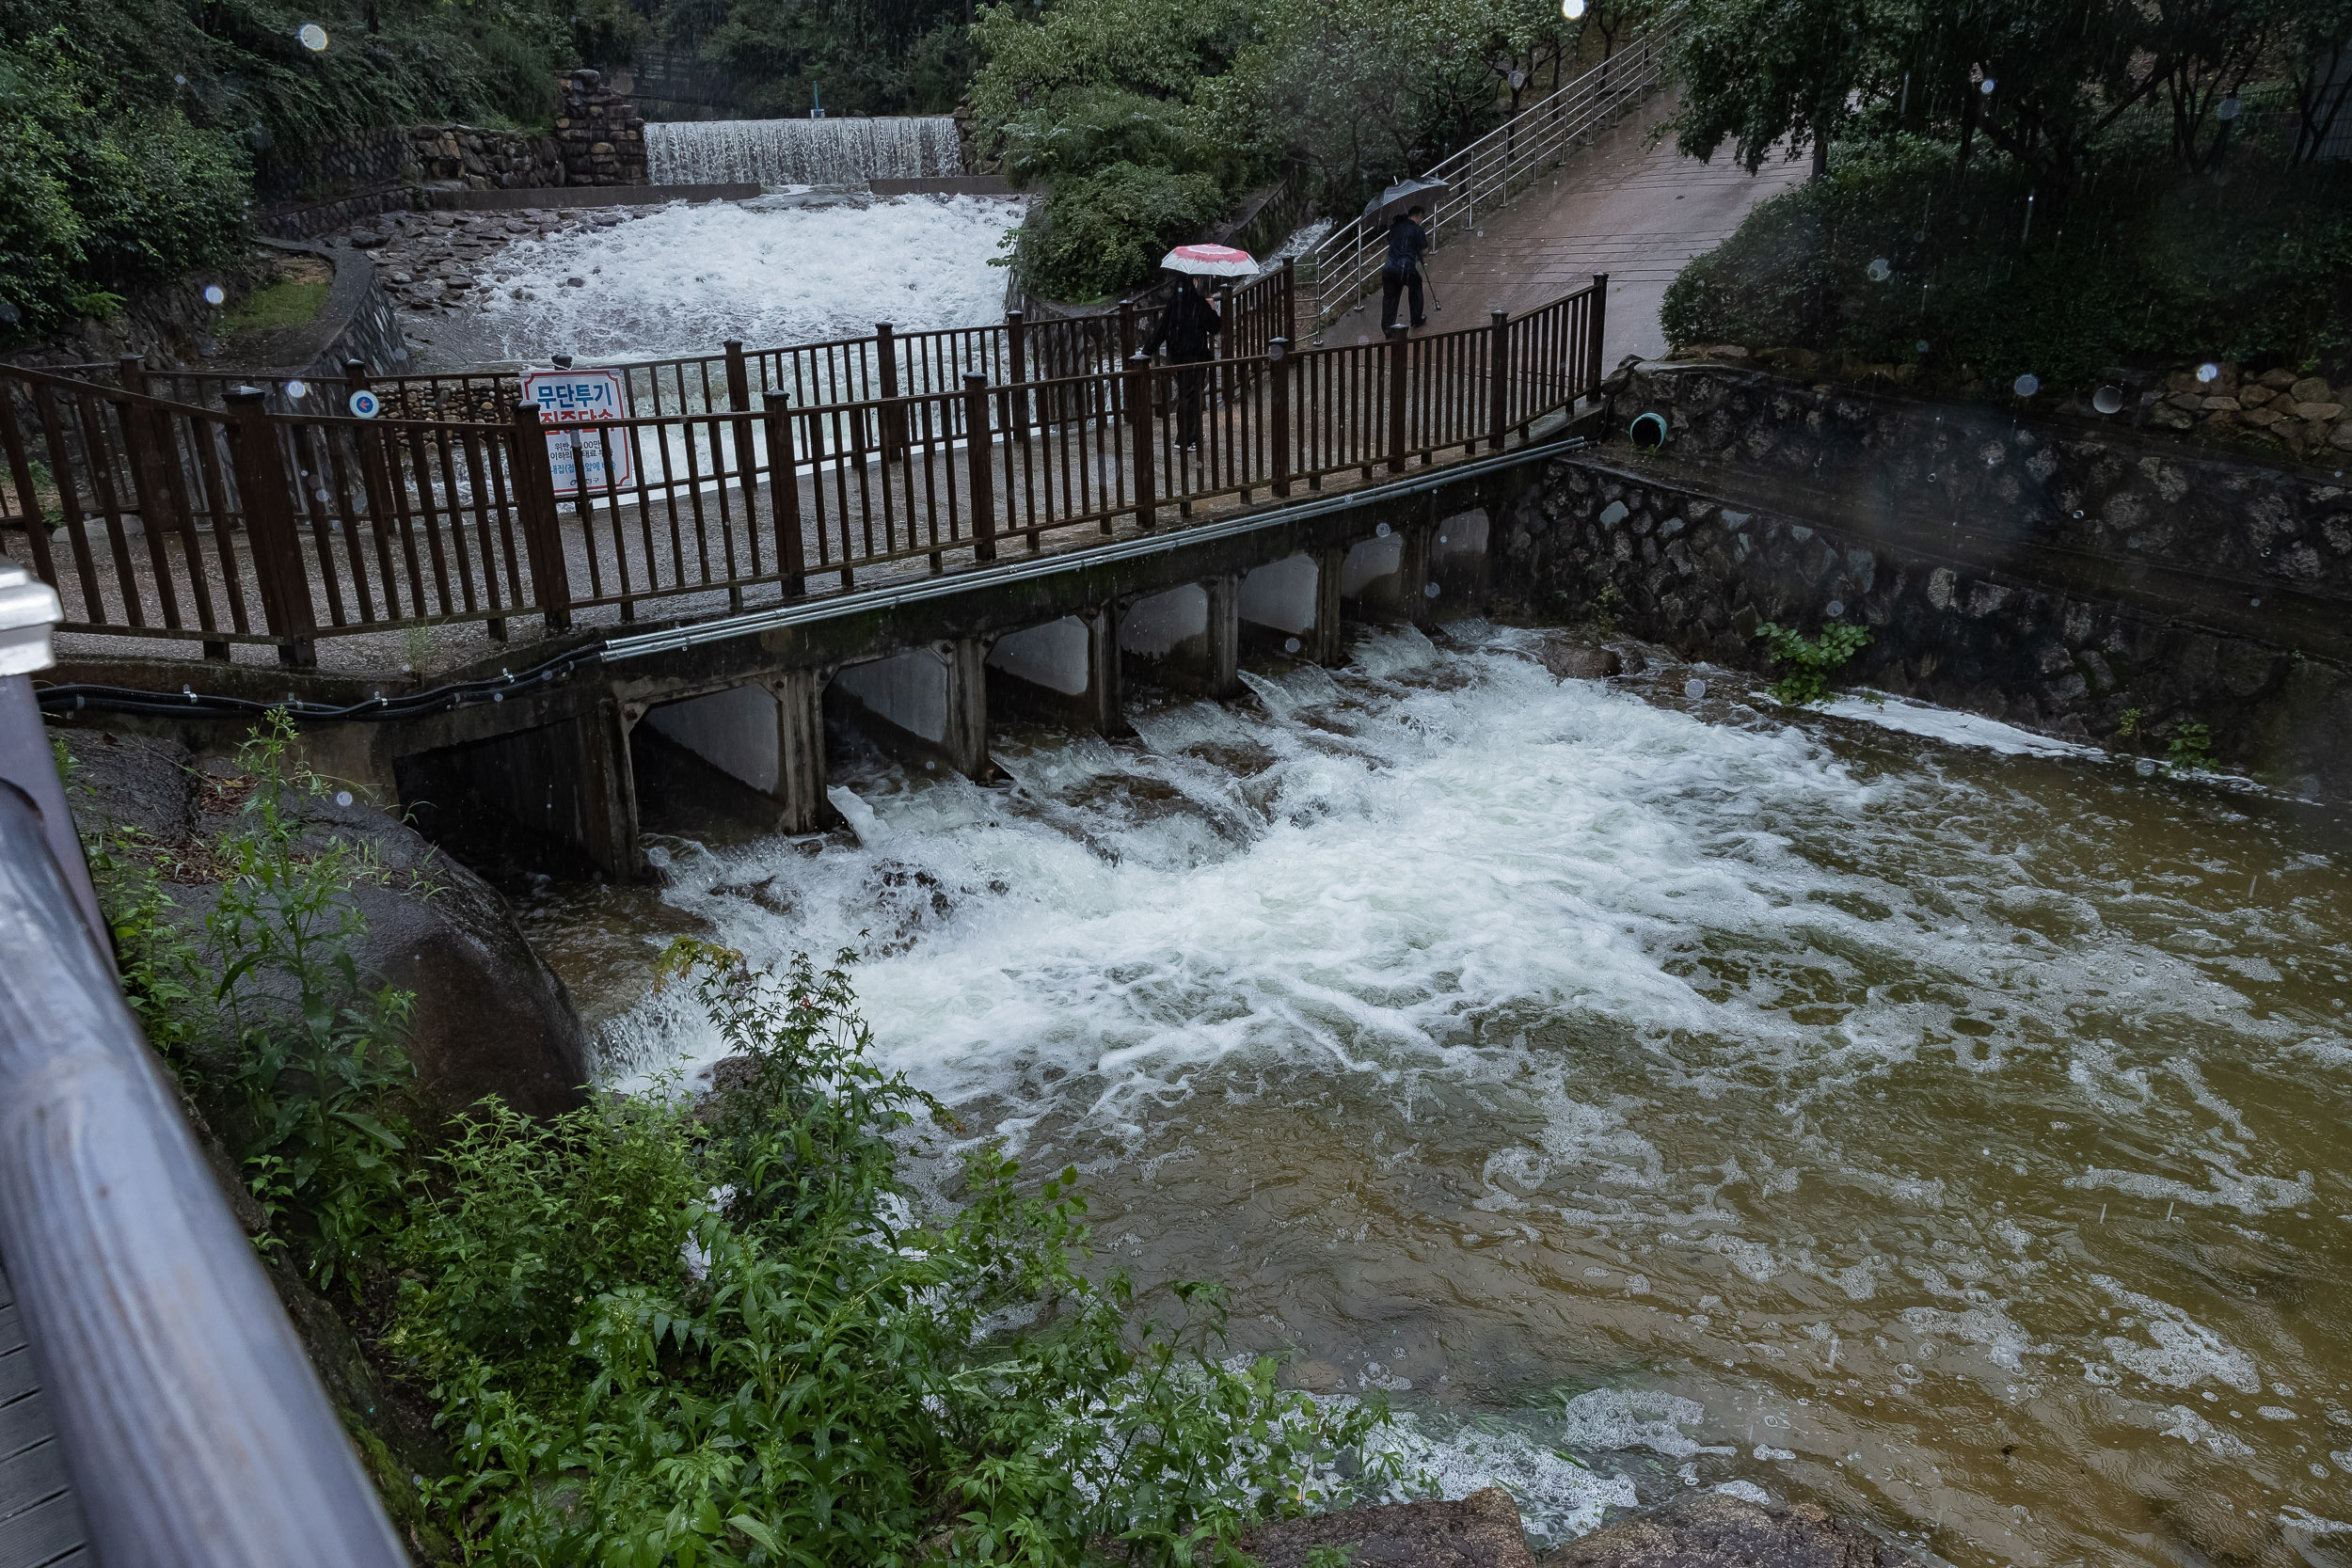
1403	194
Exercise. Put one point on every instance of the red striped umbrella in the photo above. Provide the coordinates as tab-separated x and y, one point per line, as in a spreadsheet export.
1210	261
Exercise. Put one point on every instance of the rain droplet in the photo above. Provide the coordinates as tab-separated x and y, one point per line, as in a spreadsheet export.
1381	532
1921	346
9	314
1986	85
1880	270
215	295
313	37
322	496
1694	690
2078	512
1836	608
1429	591
2208	372
178	81
2108	399
1572	9
296	388
2026	385
2228	109
1290	645
343	797
1054	772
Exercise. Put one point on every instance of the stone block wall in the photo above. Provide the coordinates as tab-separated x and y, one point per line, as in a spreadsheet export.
484	160
2067	649
2102	491
599	132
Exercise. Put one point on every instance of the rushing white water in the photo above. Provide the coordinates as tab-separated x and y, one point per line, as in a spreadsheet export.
688	278
802	152
1876	1108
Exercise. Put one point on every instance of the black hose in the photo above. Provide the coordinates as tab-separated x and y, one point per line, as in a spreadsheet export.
72	698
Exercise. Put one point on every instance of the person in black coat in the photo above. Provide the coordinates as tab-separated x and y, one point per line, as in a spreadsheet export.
1401	273
1189	328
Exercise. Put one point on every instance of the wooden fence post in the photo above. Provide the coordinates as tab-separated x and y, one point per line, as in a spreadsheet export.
1594	325
1286	324
983	479
893	433
543	525
1140	422
1499	358
1126	330
1277	355
269	526
1017	346
157	480
1399	347
784	495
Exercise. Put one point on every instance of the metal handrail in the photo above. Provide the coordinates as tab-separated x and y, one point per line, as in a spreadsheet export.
1345	264
195	1431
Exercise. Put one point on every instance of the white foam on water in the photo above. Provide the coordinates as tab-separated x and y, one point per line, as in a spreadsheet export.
1951	726
2185	1352
688	278
1615	1419
1559	1498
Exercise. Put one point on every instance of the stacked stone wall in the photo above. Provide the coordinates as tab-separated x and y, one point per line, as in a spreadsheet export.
599	132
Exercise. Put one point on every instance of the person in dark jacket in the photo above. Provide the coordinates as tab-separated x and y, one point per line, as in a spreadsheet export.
1188	329
1401	273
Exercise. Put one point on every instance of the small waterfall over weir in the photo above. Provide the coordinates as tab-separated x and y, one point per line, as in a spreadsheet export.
802	152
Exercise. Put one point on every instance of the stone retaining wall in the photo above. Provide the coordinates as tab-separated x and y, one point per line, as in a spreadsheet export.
2052	643
601	135
2102	490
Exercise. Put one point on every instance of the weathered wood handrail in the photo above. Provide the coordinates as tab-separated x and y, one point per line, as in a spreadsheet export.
195	1431
300	529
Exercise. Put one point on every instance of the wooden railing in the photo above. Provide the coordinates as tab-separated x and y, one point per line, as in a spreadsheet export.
1490	171
888	363
183	523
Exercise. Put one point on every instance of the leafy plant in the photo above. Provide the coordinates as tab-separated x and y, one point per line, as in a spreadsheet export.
1330	1557
657	1339
1605	603
2191	747
1809	663
2128	726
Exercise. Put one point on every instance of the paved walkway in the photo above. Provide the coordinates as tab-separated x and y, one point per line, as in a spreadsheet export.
1633	211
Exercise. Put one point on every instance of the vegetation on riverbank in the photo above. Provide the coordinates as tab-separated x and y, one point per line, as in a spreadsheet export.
1141	123
2011	190
656	1332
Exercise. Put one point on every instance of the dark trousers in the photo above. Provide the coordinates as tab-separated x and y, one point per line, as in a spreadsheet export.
1191	375
1393	284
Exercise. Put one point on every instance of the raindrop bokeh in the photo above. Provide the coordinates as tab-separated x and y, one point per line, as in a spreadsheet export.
2108	399
2026	385
2208	372
215	295
296	388
1694	690
1881	270
313	37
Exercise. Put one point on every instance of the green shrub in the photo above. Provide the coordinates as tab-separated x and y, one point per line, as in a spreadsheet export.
660	1340
2136	265
2191	747
1809	664
1107	231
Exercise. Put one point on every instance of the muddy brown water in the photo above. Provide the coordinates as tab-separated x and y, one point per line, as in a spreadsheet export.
1648	1090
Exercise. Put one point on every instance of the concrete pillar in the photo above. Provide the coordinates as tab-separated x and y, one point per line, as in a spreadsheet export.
1329	648
928	705
768	736
1186	639
1384	579
967	709
1224	631
1065	672
1458	558
570	780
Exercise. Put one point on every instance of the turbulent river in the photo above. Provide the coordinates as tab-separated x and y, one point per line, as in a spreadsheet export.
1648	1090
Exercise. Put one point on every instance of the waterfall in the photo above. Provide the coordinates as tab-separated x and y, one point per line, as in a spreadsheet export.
800	151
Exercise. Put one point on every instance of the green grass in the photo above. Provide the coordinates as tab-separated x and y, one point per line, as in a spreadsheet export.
280	305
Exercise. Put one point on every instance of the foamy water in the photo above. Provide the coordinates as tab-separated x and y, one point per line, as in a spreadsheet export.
1653	1093
689	277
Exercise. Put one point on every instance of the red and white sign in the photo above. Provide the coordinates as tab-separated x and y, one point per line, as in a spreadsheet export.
583	397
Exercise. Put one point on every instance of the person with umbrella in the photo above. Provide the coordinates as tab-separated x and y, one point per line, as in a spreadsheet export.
1401	273
1189	325
1403	207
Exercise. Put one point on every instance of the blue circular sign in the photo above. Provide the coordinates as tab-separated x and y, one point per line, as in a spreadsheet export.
365	405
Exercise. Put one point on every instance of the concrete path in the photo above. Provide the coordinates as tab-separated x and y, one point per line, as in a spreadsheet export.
1633	211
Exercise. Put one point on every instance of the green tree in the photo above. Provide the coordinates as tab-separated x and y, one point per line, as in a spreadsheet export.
1767	74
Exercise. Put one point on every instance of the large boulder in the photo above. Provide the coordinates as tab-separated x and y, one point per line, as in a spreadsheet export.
489	1017
1708	1529
1481	1531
